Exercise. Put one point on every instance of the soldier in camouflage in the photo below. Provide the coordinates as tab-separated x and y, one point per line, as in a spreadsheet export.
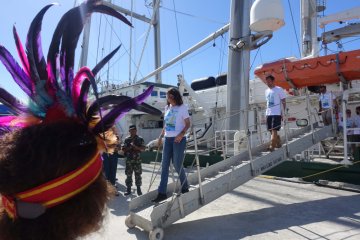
132	146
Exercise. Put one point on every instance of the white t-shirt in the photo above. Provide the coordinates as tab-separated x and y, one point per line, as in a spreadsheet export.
174	119
350	123
357	124
326	100
273	100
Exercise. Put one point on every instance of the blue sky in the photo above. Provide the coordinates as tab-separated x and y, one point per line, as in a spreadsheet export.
195	20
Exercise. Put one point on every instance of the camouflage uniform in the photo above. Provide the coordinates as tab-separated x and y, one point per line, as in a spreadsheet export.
133	160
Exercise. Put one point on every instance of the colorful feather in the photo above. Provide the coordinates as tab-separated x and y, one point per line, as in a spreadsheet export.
80	77
21	52
14	105
120	110
107	102
20	77
68	31
101	64
82	102
55	93
34	49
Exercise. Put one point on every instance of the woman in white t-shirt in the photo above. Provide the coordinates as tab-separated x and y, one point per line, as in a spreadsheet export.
176	123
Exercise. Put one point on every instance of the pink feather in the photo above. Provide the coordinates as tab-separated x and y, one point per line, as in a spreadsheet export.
80	77
21	52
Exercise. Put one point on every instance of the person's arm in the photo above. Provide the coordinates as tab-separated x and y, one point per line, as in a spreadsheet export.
139	148
283	101
282	97
161	136
179	137
335	104
125	146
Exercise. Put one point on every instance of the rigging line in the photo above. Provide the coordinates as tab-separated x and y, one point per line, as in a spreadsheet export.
111	33
146	38
193	16
254	58
131	34
123	46
261	59
98	41
147	6
351	40
187	58
116	61
103	46
178	38
222	54
293	22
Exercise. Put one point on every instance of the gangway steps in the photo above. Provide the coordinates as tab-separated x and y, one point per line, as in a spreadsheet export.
217	180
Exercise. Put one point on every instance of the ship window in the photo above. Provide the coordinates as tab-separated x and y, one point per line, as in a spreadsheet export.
162	94
153	124
154	93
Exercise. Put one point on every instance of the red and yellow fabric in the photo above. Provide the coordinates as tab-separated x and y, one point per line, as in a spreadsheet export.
58	190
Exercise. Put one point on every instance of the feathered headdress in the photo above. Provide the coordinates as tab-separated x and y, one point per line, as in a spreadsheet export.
58	94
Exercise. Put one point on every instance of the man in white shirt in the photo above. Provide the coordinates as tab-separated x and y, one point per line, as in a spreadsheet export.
326	103
275	96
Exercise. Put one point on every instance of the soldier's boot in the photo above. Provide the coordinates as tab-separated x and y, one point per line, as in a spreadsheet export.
128	191
139	192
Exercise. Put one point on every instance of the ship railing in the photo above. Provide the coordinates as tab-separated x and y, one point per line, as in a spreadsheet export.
347	99
257	134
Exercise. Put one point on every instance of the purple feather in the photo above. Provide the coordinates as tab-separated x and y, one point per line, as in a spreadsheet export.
34	49
110	11
21	52
69	29
20	77
120	110
82	102
15	106
107	102
97	68
80	77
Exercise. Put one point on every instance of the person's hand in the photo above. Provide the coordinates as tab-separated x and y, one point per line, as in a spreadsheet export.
159	142
178	138
133	146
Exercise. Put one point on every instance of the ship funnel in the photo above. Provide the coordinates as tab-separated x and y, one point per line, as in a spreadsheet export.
266	15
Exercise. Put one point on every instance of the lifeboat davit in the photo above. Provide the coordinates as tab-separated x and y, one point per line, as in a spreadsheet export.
298	73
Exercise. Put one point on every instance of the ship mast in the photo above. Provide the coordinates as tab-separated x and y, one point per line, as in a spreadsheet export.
310	44
238	66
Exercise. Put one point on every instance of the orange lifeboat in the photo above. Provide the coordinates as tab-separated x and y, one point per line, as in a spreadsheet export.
290	73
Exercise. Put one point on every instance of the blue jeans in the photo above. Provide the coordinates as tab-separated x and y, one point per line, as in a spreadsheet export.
175	152
110	162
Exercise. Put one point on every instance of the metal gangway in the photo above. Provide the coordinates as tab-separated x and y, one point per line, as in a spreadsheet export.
212	182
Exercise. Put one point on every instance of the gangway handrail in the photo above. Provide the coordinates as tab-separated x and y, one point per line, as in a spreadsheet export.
345	101
225	176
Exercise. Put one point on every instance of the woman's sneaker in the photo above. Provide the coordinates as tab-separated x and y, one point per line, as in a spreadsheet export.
184	190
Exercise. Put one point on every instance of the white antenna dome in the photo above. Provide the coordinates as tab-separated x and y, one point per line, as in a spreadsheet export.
266	15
